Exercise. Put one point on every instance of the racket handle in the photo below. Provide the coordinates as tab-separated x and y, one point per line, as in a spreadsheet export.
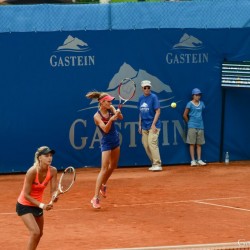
54	197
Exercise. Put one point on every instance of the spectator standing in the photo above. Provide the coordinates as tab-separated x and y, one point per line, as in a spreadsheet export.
195	135
150	124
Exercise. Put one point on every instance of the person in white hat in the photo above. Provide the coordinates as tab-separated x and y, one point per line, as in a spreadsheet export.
150	124
195	135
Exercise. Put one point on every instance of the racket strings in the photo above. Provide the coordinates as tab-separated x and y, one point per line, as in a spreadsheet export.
127	90
67	180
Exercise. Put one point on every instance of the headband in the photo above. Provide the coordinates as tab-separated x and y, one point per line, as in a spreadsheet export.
107	98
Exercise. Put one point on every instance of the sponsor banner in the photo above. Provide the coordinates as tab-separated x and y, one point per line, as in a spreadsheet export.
45	77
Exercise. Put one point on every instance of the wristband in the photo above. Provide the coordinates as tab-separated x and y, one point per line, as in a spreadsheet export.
41	205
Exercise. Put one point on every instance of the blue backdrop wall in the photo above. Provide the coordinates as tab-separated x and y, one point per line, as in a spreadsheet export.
47	70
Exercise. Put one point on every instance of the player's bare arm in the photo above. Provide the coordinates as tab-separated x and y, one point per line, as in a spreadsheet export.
105	127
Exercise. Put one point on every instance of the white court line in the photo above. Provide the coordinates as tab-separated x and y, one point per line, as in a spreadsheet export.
218	205
225	198
53	210
154	203
176	202
7	213
214	246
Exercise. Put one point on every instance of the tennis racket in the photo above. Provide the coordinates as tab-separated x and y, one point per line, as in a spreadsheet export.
126	91
66	181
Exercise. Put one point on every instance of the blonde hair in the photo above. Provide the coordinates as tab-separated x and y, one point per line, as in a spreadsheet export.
96	95
37	154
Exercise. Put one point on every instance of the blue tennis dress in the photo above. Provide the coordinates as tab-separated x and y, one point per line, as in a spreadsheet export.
109	140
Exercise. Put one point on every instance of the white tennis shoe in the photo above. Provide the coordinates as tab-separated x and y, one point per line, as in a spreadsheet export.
155	168
202	163
194	163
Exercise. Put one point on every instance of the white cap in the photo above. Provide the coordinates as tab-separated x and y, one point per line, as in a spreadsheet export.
146	83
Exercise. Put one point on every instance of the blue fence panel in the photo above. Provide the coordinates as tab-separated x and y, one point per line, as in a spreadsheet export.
236	133
54	17
120	16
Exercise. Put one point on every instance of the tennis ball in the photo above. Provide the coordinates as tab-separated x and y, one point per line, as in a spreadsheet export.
173	105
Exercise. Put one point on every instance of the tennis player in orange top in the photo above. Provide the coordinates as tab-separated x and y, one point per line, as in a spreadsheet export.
29	204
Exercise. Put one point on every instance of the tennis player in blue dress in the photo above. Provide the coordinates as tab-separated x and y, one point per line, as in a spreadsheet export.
105	119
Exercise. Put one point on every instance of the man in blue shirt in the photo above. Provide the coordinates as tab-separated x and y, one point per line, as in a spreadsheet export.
150	124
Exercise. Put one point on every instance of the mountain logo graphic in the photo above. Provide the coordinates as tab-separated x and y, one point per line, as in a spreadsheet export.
188	42
144	105
127	71
73	44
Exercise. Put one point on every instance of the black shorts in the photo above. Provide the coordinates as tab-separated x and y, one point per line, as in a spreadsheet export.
23	209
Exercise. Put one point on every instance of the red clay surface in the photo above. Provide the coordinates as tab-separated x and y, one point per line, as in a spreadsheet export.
178	206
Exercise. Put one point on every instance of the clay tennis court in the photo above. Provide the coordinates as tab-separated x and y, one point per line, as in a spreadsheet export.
179	206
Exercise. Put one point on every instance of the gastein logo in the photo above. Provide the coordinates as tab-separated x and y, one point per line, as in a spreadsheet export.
185	51
70	54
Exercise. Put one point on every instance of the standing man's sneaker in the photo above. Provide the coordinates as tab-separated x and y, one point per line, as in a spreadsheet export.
155	168
202	163
151	168
193	163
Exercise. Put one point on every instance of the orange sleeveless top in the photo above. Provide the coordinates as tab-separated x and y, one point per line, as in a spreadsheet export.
37	190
